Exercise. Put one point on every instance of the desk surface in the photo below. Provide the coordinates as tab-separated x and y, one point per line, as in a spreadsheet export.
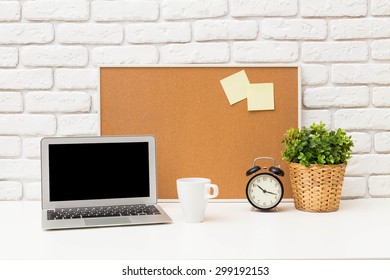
360	229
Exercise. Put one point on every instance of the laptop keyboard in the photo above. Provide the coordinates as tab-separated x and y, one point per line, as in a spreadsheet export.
101	211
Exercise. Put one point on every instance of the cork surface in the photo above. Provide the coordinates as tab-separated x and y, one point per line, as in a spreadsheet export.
198	133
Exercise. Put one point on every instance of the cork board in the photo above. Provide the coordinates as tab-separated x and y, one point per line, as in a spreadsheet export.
198	133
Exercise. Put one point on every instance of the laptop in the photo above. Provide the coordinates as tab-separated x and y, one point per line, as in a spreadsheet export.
99	181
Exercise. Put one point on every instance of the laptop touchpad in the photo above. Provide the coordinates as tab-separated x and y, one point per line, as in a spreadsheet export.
107	221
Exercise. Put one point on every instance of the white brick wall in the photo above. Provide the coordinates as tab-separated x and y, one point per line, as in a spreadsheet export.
379	186
195	53
368	164
50	50
177	32
208	30
66	10
315	116
26	33
90	33
46	102
76	78
9	10
9	57
323	97
343	29
32	191
354	187
125	55
334	51
26	79
276	8
20	168
361	73
333	8
138	10
362	142
11	102
11	190
31	147
178	9
380	7
381	97
314	75
10	146
382	142
27	124
265	51
78	124
54	56
363	118
294	29
380	50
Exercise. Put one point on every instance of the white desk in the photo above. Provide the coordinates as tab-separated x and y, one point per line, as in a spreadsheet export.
360	229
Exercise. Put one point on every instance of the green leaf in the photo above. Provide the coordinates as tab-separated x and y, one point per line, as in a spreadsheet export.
316	145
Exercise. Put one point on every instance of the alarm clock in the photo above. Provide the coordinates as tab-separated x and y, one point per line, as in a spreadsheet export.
264	190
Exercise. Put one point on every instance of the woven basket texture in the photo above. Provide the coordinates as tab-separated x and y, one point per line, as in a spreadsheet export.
317	188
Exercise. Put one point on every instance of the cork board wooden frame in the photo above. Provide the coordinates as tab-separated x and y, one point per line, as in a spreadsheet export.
198	133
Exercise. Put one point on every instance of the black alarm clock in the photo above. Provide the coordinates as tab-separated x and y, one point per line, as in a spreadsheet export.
264	190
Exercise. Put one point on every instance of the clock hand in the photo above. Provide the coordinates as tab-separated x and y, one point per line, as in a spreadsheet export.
264	191
270	192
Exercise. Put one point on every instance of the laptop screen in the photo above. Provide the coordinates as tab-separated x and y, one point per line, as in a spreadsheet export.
85	171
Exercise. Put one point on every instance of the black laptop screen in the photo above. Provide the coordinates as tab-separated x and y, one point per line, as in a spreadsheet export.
98	171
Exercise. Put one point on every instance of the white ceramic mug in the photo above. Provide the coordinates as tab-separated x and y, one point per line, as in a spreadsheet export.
194	194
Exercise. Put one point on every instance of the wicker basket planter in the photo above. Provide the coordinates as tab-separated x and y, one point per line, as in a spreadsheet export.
317	188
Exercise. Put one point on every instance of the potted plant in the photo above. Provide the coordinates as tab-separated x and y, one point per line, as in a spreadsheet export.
317	160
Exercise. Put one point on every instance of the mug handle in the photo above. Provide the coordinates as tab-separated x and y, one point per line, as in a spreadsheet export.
208	187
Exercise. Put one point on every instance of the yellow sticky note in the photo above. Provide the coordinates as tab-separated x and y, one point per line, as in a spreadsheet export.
260	97
235	87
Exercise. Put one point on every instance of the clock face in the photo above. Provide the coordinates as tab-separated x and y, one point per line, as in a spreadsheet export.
264	191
